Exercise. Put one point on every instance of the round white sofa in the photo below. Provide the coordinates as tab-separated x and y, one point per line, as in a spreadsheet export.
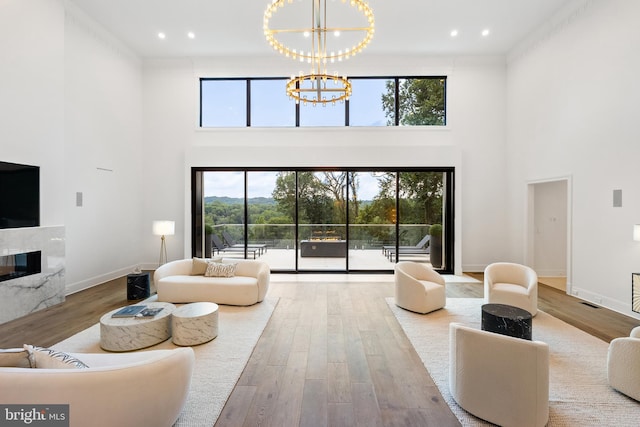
147	388
181	282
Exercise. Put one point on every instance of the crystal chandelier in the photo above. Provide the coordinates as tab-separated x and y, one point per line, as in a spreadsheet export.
318	86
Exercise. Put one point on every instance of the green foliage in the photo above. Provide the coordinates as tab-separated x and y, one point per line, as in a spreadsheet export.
435	230
421	102
322	200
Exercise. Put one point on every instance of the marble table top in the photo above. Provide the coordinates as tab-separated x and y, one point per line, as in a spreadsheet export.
133	333
195	323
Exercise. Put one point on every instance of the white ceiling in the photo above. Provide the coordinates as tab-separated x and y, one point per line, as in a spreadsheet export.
402	26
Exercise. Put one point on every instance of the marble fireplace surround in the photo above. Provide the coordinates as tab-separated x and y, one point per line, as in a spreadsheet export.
28	294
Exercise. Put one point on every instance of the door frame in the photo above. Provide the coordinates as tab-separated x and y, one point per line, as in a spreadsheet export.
530	234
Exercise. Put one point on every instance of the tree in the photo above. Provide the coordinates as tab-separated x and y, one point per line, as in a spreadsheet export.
314	205
421	102
420	195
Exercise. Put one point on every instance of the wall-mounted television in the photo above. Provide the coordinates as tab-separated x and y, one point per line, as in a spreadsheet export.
19	195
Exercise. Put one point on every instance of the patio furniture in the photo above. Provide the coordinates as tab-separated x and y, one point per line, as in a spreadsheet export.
220	247
422	244
262	247
323	248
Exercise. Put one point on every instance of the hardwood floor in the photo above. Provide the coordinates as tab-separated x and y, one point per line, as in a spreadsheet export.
332	353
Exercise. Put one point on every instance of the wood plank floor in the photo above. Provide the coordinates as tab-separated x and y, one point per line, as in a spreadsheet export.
332	353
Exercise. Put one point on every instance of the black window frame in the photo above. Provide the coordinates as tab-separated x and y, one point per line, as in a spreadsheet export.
296	106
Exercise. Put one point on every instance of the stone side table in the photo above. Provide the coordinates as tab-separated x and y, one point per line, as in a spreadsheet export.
195	323
133	333
507	320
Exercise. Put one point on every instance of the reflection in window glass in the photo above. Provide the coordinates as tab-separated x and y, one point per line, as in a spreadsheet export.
270	106
319	115
367	105
422	102
224	103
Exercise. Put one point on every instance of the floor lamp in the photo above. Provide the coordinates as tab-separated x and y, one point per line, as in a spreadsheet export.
163	228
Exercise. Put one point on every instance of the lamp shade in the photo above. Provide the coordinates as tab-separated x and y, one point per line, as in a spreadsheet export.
164	228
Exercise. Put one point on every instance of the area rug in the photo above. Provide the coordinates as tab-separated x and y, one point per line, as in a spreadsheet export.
219	363
579	394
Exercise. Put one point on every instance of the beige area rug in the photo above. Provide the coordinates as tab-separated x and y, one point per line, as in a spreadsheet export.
579	394
219	363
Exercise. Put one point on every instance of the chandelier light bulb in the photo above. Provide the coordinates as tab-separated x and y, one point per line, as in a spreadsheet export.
312	87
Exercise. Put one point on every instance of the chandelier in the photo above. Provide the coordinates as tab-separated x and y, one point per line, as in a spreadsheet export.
315	45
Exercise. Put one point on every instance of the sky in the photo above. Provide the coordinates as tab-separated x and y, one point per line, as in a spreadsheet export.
261	184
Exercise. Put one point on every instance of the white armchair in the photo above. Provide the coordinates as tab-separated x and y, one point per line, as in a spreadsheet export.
511	284
418	287
623	364
501	379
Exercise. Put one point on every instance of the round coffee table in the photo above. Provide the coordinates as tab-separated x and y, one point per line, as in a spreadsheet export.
506	320
133	333
195	323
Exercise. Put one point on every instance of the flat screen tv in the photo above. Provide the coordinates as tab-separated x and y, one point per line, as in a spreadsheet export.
19	195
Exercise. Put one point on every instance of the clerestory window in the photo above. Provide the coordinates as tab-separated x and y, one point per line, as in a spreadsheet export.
376	101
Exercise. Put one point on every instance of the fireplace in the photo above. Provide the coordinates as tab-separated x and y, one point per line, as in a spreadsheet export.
20	265
32	270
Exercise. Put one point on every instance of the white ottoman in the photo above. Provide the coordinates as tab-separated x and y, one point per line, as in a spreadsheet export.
195	323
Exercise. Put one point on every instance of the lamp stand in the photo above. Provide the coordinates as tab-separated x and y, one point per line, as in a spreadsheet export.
163	251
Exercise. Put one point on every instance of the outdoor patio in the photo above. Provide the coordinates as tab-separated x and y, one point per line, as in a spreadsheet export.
359	259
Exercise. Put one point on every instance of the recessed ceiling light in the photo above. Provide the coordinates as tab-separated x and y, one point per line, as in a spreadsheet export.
454	33
162	36
485	32
336	33
191	35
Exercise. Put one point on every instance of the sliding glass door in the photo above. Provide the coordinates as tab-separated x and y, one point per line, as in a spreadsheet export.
322	234
314	220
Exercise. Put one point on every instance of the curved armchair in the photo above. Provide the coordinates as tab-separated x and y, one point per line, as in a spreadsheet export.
623	364
501	379
147	388
511	284
418	287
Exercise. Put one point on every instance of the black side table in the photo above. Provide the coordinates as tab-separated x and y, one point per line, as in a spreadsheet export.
138	286
507	320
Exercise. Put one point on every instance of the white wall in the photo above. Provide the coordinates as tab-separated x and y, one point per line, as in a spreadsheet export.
70	102
104	158
473	142
31	95
573	111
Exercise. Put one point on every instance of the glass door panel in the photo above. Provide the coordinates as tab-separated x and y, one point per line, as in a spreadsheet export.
322	239
224	213
314	220
372	217
271	217
420	197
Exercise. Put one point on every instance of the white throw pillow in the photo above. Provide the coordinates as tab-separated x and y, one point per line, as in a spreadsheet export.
199	265
217	269
46	358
